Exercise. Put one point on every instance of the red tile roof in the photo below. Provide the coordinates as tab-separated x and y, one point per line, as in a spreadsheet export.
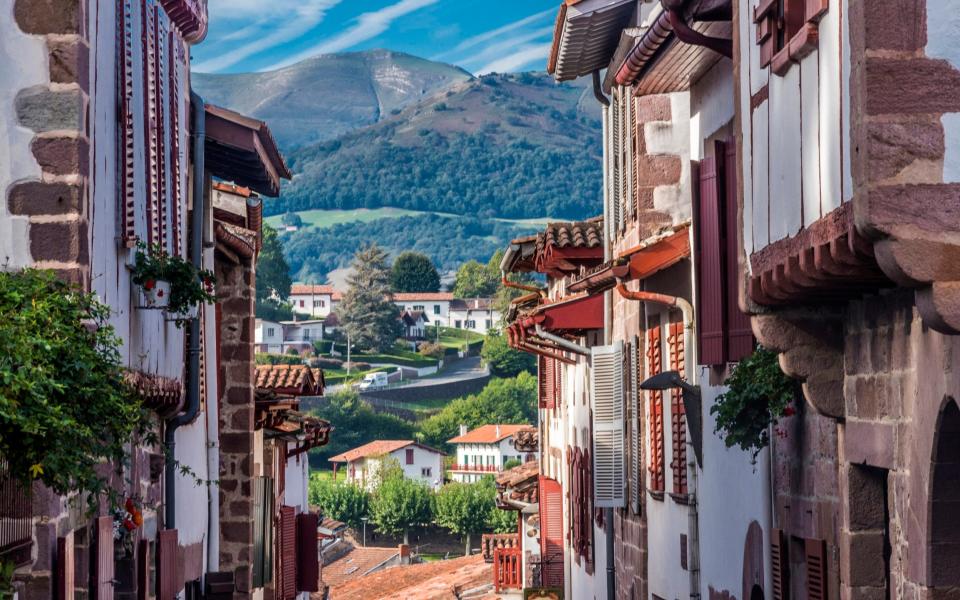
425	581
286	379
487	434
377	448
298	289
355	564
426	296
231	188
582	234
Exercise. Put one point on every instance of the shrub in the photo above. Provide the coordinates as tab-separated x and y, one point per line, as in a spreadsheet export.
277	359
342	501
503	360
431	350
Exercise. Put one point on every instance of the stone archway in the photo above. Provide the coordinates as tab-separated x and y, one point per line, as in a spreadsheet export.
943	550
753	553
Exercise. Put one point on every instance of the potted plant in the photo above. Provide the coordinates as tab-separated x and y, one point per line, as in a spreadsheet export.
758	395
171	283
126	521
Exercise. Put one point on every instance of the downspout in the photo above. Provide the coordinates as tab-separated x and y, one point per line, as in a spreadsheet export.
562	342
607	316
691	36
193	354
693	526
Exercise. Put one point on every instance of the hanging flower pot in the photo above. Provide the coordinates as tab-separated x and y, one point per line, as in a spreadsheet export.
171	283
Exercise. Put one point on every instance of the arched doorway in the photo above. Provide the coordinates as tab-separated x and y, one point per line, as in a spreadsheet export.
753	560
944	543
756	593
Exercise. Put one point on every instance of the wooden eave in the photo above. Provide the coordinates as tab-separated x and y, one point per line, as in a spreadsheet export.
242	150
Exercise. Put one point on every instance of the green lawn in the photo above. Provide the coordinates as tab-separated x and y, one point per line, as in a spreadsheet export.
328	218
454	338
327	474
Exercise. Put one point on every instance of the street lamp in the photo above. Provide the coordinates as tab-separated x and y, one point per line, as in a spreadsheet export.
692	403
364	519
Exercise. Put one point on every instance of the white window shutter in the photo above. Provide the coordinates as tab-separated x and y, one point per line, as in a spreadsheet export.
606	390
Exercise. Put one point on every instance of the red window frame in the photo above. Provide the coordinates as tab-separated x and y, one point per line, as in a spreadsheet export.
655	366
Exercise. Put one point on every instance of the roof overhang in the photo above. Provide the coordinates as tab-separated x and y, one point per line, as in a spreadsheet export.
678	47
242	150
652	255
572	315
520	255
586	34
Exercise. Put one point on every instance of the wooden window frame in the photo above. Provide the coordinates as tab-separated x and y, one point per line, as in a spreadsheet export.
655	397
678	419
787	31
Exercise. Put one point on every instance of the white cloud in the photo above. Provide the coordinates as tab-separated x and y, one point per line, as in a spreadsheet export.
517	59
481	38
505	48
368	25
290	26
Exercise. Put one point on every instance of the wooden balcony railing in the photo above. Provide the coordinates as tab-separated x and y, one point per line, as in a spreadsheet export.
476	468
507	569
16	519
493	541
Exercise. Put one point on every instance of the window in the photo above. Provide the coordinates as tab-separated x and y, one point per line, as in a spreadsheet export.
302	303
787	31
426	472
724	331
409	456
419	307
799	566
436	309
270	332
319	303
306	334
470	325
457	324
489	324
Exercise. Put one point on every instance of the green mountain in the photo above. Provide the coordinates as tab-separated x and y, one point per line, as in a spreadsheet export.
510	145
328	95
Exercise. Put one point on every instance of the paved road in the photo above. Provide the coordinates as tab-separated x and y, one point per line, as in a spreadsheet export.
467	368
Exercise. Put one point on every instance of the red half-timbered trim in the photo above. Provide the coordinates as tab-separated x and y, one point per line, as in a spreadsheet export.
678	421
654	366
828	261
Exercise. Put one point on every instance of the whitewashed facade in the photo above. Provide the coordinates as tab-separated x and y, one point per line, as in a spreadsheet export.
486	455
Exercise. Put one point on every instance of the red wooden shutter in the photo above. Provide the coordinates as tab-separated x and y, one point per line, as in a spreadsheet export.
573	469
557	383
678	421
409	456
816	555
167	548
710	263
654	366
103	566
551	384
780	566
65	572
636	422
551	533
288	553
160	25
143	571
126	196
739	334
308	560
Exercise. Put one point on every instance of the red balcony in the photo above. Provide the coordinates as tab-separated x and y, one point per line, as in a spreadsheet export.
476	468
490	542
507	569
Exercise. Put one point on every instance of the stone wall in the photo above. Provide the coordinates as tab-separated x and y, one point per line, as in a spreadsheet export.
235	291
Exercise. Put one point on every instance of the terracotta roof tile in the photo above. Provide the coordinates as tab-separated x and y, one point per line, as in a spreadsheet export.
582	234
427	296
377	448
303	289
286	379
487	434
527	440
425	581
355	564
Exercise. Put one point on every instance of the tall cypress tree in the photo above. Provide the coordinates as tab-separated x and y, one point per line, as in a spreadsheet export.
367	312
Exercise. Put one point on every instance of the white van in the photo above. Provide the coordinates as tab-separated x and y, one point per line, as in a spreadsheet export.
373	381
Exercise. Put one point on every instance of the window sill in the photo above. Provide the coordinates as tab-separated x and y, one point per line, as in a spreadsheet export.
656	495
683	499
801	45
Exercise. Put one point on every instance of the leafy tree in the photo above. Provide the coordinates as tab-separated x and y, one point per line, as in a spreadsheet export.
511	463
501	401
502	521
475	280
367	313
356	425
414	272
399	503
464	508
292	219
340	500
66	411
273	273
503	360
272	309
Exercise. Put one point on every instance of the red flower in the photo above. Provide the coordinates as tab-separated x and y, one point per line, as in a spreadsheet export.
150	284
130	505
138	518
789	411
159	293
129	525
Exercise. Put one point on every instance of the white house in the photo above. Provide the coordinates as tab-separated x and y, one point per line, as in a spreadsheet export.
434	304
314	300
278	337
475	314
268	336
419	463
414	324
484	450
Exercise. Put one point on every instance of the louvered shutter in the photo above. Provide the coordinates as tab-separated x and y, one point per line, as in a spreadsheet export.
816	556
308	558
126	206
635	133
636	426
678	421
625	168
606	387
551	533
655	366
710	264
167	586
780	566
541	382
550	377
739	334
103	567
288	552
262	531
573	462
65	567
615	203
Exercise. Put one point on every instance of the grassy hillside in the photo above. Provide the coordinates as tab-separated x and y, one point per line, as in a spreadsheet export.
508	146
329	217
328	95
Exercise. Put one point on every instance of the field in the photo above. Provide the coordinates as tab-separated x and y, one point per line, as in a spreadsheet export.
329	218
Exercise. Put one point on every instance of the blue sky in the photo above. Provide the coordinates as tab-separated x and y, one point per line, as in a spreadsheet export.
480	36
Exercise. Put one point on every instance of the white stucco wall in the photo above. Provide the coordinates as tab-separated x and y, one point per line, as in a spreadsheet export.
23	63
422	458
317	305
